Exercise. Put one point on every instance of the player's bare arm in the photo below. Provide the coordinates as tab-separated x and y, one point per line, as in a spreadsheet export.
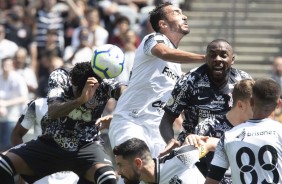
211	181
17	135
58	108
175	55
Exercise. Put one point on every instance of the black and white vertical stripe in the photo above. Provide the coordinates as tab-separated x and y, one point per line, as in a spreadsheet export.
49	20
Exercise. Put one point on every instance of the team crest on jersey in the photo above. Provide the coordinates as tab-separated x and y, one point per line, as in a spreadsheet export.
175	180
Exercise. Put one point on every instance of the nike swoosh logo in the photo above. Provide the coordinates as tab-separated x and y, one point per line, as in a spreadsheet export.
202	98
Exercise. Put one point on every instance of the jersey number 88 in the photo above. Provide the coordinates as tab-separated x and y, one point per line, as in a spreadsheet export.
265	166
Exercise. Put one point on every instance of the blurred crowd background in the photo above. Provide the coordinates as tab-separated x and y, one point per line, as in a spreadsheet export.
38	36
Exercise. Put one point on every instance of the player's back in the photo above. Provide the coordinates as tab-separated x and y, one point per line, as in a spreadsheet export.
254	151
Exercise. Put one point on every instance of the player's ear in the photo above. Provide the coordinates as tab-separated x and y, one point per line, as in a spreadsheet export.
233	59
278	103
162	24
138	162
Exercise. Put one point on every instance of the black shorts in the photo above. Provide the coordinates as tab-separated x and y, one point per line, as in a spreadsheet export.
45	157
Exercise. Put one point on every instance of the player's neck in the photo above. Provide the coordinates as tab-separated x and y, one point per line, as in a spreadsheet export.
148	172
234	118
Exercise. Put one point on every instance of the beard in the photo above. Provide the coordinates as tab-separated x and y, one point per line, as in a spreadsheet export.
134	179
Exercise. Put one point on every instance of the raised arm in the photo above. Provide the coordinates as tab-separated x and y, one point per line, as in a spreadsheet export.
162	51
58	108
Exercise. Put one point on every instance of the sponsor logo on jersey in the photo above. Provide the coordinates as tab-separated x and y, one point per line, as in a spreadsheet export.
168	72
67	142
203	84
241	135
202	98
81	114
261	133
175	180
134	113
204	113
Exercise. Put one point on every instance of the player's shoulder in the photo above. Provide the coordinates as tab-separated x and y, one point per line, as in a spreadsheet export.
40	101
238	74
187	155
195	74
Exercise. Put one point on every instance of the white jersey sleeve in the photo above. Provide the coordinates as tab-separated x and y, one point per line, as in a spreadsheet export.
253	150
29	119
33	114
153	40
179	167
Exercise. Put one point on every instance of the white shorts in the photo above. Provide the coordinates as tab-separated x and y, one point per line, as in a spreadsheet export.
64	177
122	129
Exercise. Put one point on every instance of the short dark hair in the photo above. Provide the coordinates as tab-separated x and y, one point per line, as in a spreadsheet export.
132	148
216	41
80	73
242	90
121	19
158	14
266	92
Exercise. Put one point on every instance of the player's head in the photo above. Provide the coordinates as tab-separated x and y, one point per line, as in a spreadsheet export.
80	73
241	96
130	157
219	58
166	17
266	96
277	65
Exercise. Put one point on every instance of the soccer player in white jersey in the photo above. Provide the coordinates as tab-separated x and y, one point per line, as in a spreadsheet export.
253	149
155	71
31	118
135	164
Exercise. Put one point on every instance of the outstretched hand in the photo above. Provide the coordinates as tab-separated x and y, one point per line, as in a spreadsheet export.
104	122
170	146
195	140
89	90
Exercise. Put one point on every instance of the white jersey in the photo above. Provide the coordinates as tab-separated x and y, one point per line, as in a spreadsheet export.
32	115
140	108
253	150
179	167
150	84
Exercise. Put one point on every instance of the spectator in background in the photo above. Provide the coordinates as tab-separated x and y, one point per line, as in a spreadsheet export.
22	67
16	29
129	50
51	49
74	19
277	70
13	96
51	62
277	76
98	35
111	9
82	52
46	18
118	38
7	48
